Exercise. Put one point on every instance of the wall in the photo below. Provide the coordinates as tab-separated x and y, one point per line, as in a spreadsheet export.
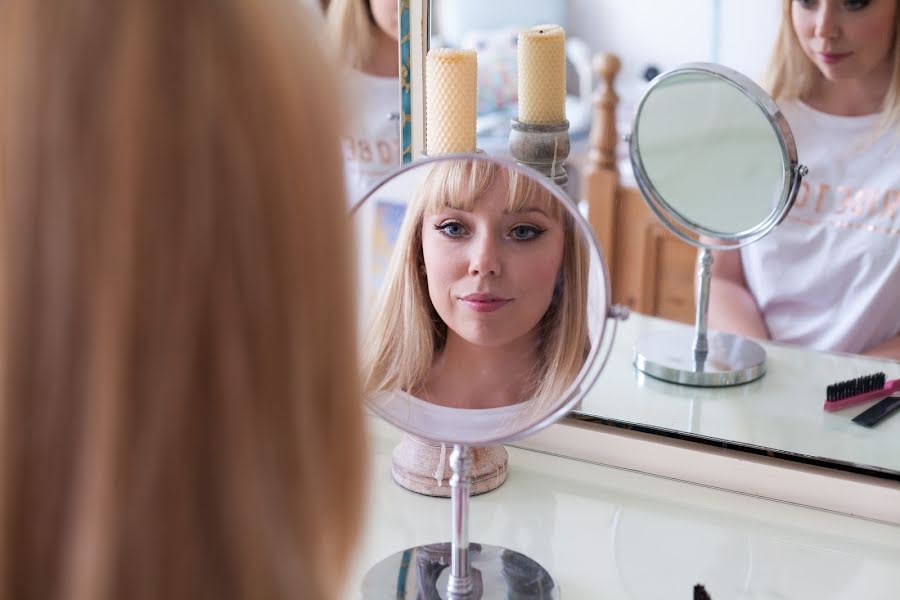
667	33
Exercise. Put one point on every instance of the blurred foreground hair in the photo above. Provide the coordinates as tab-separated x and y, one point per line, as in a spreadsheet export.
177	415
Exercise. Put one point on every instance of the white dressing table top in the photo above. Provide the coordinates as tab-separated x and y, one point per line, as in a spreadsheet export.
609	533
782	410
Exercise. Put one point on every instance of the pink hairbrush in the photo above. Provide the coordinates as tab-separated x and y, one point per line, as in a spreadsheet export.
859	390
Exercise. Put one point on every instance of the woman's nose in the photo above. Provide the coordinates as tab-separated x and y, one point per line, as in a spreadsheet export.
485	259
827	22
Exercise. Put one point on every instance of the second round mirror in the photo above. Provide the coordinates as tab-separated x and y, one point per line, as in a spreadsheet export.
716	162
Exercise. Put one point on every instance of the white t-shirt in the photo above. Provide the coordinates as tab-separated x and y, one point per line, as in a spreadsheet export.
371	138
461	425
828	277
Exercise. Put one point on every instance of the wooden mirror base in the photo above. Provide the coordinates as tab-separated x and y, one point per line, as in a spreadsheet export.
415	462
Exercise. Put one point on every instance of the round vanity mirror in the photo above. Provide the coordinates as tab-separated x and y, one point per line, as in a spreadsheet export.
485	303
716	161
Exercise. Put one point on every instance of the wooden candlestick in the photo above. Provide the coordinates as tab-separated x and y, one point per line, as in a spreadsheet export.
542	147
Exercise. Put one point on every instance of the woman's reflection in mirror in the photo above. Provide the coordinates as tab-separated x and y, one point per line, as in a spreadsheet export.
365	33
829	276
485	301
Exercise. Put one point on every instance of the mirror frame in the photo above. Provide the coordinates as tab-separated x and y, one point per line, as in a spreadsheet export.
792	173
593	363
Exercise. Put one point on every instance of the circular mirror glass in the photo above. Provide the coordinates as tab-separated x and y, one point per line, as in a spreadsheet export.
713	155
484	300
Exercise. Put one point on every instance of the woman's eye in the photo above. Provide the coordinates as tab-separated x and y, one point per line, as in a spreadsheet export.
524	233
453	229
806	3
856	4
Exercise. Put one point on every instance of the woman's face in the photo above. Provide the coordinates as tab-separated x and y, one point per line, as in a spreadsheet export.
385	13
491	274
846	39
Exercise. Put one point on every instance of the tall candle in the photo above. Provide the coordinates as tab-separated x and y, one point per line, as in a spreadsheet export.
542	75
451	100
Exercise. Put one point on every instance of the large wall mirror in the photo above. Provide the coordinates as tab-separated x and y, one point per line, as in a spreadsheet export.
780	413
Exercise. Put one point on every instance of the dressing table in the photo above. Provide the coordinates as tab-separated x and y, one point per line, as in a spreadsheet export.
607	532
780	414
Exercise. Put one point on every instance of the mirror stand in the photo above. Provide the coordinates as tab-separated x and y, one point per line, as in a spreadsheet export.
422	466
715	359
476	571
460	584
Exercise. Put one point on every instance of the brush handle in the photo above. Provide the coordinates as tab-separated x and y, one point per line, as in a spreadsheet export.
889	388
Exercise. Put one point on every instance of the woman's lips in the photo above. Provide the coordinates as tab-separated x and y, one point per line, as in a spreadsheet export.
830	58
484	302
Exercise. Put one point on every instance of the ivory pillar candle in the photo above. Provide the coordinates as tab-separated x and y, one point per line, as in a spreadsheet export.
451	100
542	75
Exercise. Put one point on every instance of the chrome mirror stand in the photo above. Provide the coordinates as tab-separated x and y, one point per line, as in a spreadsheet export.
477	571
460	584
701	358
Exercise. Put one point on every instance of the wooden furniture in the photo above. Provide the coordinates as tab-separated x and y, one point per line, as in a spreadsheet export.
651	270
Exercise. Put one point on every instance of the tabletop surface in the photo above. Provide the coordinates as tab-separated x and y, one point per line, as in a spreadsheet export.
608	533
781	411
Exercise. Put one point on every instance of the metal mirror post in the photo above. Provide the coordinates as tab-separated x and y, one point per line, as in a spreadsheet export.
484	316
716	162
460	584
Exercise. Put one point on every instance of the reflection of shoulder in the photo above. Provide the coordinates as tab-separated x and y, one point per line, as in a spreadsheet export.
441	409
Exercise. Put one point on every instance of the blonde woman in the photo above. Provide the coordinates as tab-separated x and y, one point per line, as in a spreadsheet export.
829	276
484	305
365	34
177	416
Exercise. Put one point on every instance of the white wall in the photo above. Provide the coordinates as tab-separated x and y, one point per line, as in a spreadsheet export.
669	32
749	28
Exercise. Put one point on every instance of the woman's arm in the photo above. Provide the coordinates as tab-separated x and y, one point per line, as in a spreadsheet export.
887	349
732	307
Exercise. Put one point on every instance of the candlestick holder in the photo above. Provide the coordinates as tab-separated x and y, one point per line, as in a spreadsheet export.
477	151
543	147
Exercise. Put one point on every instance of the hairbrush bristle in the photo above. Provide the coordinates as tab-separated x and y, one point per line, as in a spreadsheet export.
700	593
854	387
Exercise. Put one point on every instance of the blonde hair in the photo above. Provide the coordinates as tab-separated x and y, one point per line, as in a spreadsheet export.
177	415
791	75
351	27
407	333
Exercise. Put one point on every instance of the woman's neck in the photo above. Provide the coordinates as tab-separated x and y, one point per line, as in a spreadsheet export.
852	97
384	60
467	376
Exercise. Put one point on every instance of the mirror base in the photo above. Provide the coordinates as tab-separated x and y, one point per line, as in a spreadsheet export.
415	461
732	360
421	573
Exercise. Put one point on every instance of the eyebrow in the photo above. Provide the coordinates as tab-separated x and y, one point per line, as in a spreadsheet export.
506	211
526	210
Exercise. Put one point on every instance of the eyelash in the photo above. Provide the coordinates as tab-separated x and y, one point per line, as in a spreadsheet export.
849	4
535	232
